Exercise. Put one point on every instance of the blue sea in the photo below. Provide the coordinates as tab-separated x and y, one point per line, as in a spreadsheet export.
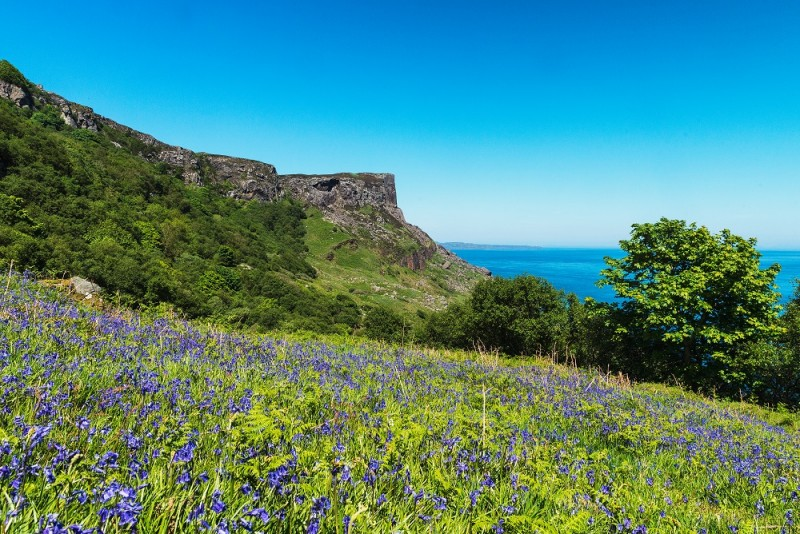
576	270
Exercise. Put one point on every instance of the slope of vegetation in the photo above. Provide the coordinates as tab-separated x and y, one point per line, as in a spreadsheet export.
117	422
78	202
347	263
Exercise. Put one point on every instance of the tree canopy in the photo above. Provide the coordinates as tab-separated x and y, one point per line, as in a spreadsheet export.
692	296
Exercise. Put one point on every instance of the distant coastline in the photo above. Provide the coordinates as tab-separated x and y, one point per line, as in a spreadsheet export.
458	245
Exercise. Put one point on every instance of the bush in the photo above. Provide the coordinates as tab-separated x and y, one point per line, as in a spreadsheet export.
10	74
382	323
525	315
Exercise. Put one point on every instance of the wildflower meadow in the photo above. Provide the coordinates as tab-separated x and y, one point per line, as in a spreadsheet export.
111	421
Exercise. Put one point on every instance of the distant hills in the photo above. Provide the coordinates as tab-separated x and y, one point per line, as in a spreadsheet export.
458	245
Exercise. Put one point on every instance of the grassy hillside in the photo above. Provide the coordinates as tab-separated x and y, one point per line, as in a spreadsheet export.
121	422
79	202
352	264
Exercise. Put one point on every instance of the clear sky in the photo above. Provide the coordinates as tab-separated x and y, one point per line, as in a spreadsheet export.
552	123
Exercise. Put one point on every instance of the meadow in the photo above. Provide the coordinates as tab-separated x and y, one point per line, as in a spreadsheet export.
111	421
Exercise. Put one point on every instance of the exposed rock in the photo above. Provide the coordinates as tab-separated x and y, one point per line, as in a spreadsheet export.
73	114
16	94
84	287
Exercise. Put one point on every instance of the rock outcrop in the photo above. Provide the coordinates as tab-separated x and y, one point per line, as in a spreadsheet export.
84	287
16	94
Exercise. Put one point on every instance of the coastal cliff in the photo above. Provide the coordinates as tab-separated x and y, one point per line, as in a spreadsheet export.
363	203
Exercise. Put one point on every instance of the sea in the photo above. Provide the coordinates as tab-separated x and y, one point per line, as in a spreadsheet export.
576	270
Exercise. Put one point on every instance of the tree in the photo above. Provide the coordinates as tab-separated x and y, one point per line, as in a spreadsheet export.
692	296
523	315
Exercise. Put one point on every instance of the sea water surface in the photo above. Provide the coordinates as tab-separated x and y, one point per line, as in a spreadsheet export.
576	270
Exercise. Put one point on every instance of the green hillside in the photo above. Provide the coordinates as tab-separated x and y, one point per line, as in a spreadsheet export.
77	202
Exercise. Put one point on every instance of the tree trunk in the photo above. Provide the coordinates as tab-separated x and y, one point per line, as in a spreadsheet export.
687	351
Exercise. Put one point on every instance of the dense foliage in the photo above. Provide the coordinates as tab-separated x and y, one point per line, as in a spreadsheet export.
692	307
768	371
688	301
523	315
119	423
77	202
9	73
696	294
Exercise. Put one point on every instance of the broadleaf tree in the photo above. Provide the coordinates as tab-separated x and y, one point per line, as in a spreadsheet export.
694	295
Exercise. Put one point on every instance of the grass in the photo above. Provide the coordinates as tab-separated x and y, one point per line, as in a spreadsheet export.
348	264
117	422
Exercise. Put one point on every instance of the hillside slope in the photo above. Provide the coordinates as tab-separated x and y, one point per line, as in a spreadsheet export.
120	422
85	195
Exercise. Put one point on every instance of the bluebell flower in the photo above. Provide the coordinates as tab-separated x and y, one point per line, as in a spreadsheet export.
197	512
185	453
260	513
473	496
128	511
320	506
217	506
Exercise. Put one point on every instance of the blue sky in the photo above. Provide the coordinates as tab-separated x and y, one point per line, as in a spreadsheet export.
556	124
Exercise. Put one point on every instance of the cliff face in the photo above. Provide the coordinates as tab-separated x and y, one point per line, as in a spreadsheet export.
363	203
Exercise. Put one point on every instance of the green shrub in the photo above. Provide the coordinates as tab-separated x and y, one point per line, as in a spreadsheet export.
382	323
10	74
49	117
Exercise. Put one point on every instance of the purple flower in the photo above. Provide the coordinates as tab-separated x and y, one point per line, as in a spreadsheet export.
38	434
260	513
128	511
198	511
185	453
346	476
320	506
473	496
217	506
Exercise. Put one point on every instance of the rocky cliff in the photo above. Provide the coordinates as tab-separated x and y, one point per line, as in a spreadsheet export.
362	203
